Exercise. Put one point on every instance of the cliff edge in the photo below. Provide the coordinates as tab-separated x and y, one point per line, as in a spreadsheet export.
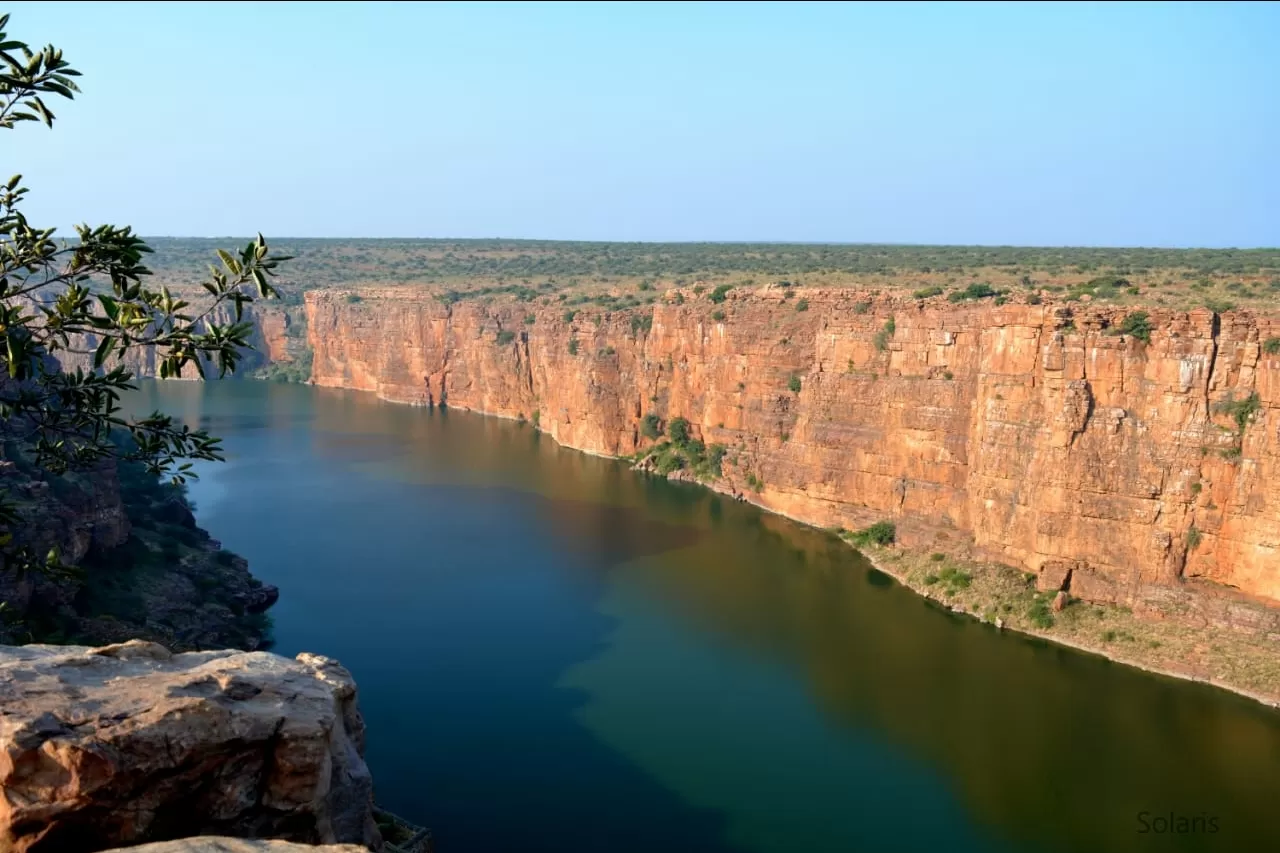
113	746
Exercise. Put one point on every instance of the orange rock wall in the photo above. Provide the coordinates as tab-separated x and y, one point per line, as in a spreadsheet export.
1033	429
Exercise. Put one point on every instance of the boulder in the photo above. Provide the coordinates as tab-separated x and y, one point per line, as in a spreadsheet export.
1055	575
124	744
222	844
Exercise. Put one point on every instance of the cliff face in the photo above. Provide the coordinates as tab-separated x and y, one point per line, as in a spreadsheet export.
142	566
270	341
1102	461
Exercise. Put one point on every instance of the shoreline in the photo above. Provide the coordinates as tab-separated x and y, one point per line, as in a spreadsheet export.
1271	701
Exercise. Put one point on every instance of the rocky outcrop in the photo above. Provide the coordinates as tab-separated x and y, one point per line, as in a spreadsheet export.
129	743
138	566
222	844
1038	433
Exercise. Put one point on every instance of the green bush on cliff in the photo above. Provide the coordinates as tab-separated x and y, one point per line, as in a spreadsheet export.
720	294
977	290
56	295
1240	411
880	533
1271	346
678	430
715	458
651	426
882	338
1138	325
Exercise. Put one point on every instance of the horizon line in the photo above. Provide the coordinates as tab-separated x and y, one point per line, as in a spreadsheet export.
852	243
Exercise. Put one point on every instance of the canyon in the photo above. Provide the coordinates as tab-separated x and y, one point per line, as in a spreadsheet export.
1123	468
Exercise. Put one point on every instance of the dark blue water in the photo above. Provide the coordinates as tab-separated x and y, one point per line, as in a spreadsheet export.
557	654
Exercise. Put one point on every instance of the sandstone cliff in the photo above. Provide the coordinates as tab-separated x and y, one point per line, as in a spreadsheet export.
130	743
1037	432
272	342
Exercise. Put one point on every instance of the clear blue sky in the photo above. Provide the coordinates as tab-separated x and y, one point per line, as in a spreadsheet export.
1074	124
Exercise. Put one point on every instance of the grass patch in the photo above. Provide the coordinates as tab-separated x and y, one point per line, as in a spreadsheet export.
1040	613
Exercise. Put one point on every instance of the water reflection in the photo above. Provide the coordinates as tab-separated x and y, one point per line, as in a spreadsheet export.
1054	749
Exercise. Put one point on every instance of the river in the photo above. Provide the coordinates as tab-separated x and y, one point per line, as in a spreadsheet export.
555	653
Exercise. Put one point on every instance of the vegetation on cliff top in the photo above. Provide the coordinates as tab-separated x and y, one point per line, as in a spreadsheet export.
624	276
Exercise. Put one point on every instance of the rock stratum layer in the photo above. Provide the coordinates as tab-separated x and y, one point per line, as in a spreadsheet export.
129	743
1118	467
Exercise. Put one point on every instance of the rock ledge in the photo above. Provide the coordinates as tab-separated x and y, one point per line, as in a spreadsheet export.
130	743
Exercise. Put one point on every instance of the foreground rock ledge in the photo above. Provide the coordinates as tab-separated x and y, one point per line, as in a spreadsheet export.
130	743
219	844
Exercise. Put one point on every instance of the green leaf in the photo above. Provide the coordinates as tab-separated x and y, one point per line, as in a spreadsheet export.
110	306
103	350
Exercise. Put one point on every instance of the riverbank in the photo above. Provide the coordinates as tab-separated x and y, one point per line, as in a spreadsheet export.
1002	596
1008	599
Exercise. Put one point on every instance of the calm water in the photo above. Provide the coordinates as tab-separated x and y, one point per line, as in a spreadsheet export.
557	654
